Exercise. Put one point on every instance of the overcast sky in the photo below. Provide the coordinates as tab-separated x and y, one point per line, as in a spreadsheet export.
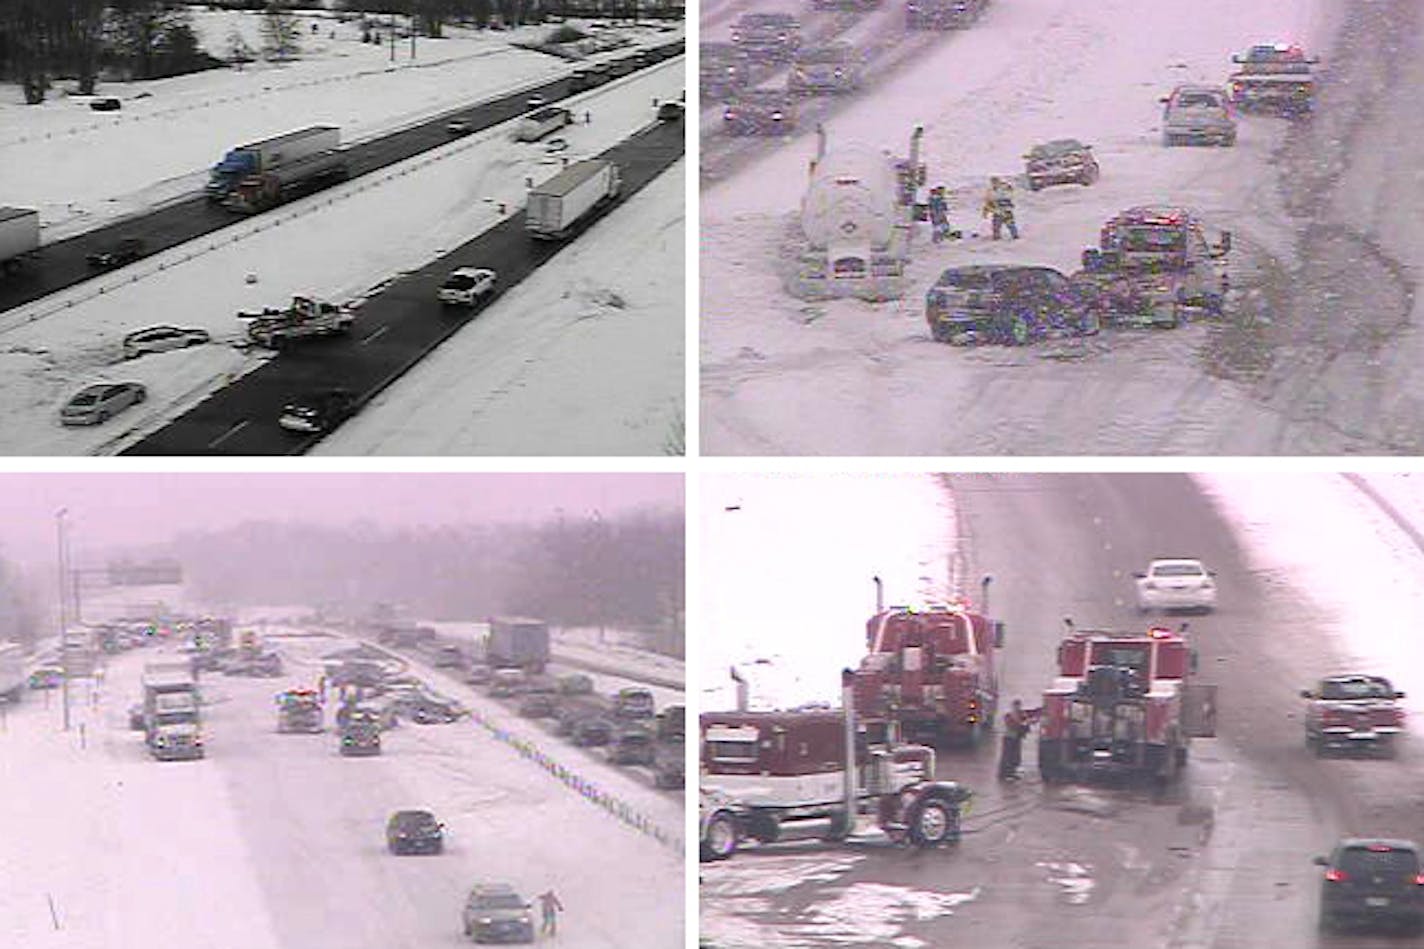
133	509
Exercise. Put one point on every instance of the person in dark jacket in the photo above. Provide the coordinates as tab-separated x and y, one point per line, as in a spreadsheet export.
550	907
1018	721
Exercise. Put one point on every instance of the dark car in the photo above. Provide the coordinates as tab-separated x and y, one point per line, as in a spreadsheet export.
318	411
160	339
1372	881
538	706
96	404
125	251
1061	161
427	709
414	832
634	746
672	723
671	112
575	684
592	731
1005	303
760	112
105	104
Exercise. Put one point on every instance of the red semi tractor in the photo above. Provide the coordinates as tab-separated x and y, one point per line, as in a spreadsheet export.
930	673
1123	704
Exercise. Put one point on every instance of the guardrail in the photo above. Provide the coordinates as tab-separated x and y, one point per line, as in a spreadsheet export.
590	790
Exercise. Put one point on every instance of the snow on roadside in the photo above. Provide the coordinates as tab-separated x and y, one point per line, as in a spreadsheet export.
76	816
787	562
1333	544
583	358
171	131
337	243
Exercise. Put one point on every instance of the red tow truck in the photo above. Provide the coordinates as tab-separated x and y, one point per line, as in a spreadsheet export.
930	672
1123	704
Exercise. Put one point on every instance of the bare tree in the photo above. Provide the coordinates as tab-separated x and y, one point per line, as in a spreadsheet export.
281	33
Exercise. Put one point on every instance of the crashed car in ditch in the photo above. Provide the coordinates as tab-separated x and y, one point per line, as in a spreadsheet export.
1014	304
1061	161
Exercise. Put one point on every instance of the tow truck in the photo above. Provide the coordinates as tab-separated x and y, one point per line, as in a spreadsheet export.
1153	266
1274	78
307	317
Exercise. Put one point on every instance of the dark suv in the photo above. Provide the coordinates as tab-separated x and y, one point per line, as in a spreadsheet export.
1006	303
414	832
1372	881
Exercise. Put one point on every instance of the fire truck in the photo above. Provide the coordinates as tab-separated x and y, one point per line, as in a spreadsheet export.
930	672
1123	704
782	774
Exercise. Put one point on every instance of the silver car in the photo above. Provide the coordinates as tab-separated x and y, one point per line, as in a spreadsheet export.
1198	115
98	403
160	339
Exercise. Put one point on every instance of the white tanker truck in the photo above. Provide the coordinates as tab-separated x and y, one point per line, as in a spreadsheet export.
856	219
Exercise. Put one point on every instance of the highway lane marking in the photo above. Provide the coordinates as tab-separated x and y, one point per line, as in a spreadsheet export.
376	335
228	434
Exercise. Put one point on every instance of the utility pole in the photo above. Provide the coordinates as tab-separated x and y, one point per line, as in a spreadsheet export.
63	610
393	37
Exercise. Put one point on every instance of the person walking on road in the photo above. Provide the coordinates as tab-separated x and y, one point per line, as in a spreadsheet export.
550	908
1018	721
999	208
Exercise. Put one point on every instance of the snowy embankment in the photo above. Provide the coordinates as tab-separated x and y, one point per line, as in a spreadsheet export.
274	840
346	240
1330	542
782	375
791	630
82	168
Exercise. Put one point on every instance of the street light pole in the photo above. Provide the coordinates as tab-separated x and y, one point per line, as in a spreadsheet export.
63	609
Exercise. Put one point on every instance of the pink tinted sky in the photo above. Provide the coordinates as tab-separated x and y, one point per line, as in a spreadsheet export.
128	509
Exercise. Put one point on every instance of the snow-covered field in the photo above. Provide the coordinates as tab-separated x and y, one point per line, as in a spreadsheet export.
587	358
785	629
274	840
81	168
782	376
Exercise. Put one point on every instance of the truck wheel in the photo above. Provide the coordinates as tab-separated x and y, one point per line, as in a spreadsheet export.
840	827
1314	745
931	823
765	828
720	839
1387	748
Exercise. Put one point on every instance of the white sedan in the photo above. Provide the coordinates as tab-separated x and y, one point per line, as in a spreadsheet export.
1176	584
467	286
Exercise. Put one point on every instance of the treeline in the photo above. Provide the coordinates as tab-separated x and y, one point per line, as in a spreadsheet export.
624	572
45	40
21	617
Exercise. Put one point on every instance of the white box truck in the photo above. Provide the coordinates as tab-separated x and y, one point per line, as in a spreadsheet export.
19	237
561	202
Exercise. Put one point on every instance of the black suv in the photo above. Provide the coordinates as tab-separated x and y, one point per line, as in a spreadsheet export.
1372	881
414	832
1006	303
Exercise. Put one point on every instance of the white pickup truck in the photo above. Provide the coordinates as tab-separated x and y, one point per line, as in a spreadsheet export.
306	317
